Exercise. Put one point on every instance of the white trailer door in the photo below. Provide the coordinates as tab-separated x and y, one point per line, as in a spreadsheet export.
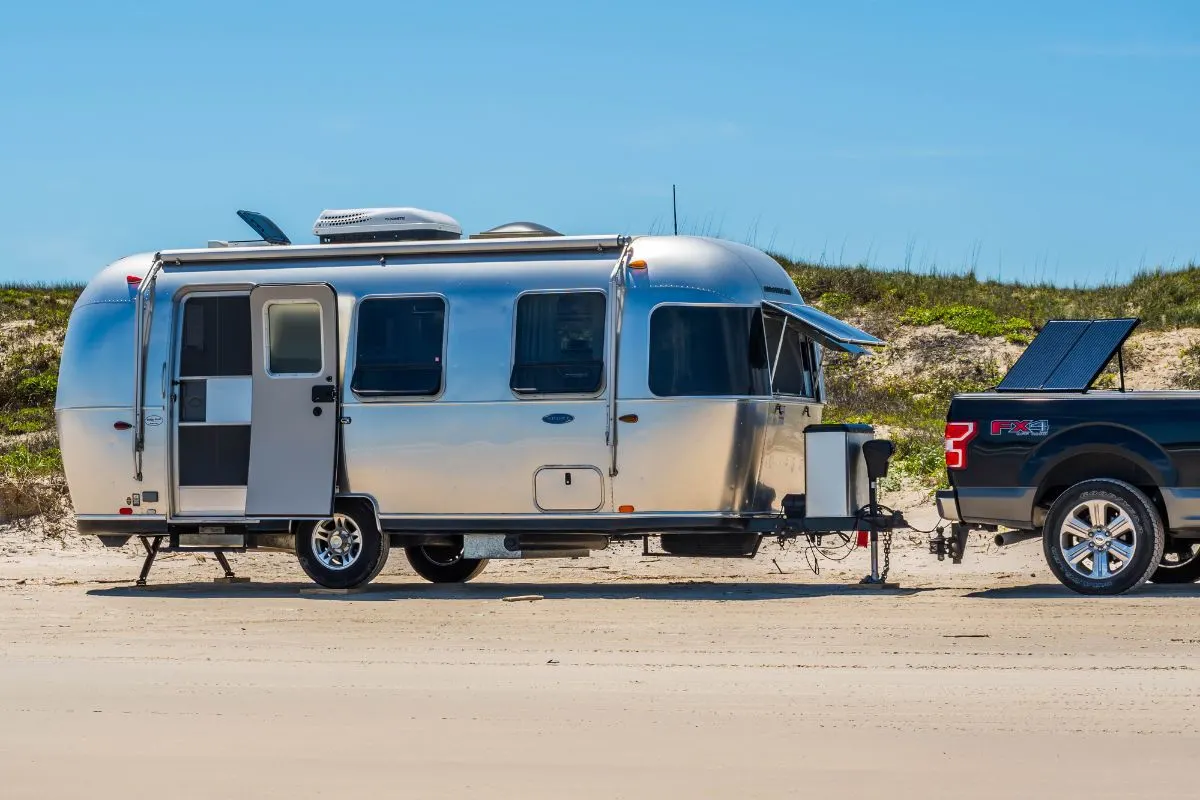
294	410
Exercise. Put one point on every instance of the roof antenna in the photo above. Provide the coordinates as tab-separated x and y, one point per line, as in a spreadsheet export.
674	210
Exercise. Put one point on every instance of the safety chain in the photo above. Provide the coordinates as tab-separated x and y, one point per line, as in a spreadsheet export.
887	556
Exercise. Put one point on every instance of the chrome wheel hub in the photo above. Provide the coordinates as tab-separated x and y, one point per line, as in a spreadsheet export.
337	542
1097	539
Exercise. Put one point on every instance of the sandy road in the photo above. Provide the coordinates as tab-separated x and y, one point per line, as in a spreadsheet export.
632	678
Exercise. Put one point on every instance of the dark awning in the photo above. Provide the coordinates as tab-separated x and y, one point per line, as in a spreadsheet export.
829	331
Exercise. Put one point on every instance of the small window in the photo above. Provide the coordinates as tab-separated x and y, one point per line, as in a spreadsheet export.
294	338
698	351
559	343
215	337
399	347
796	368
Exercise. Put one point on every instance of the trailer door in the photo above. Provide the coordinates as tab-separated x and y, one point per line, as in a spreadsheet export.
294	410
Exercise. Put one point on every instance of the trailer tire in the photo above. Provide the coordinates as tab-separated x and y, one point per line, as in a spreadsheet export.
345	551
1180	562
443	563
1096	522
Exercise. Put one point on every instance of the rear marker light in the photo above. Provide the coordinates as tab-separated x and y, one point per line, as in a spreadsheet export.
126	511
626	509
958	436
132	279
122	426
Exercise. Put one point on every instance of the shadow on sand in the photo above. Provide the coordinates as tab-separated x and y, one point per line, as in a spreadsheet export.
1042	591
683	590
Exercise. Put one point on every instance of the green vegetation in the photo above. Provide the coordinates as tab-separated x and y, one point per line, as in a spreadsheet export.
1162	299
46	307
22	462
26	420
1189	375
972	319
33	320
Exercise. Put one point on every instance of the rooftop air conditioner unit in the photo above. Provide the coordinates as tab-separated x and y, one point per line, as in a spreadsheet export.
384	225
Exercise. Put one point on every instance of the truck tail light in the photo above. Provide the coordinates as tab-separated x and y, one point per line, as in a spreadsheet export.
958	436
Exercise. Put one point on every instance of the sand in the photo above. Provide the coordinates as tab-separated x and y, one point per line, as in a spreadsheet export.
632	676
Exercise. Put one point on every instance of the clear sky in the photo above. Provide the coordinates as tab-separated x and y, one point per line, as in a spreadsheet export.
1036	140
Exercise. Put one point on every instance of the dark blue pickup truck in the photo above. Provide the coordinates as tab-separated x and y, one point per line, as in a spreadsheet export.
1109	479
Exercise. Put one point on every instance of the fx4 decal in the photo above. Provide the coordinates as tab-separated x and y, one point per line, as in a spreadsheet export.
1020	427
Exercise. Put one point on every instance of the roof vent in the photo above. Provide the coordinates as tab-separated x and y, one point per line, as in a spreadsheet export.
384	225
516	230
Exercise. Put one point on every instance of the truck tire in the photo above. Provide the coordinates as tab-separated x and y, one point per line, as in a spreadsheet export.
1180	562
345	551
1103	537
439	563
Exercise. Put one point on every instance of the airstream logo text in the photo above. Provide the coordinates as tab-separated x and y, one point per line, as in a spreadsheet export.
1020	427
558	419
776	290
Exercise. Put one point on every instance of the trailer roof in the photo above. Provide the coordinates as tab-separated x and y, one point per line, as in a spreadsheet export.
542	244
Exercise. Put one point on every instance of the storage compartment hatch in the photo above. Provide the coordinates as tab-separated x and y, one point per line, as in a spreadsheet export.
568	488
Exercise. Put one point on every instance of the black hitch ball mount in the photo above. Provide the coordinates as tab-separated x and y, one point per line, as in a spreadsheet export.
953	545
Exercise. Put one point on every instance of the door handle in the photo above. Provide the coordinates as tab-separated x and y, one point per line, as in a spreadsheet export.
324	393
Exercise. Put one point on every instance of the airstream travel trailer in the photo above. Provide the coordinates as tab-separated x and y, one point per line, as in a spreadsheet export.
517	393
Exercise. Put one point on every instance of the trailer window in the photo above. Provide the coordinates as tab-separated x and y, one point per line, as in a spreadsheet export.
215	337
708	351
559	345
793	358
294	338
399	347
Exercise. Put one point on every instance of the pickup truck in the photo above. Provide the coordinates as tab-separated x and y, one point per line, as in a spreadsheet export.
1108	479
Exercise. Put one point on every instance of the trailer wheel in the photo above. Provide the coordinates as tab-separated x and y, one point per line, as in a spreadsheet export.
1180	562
442	563
343	552
1103	537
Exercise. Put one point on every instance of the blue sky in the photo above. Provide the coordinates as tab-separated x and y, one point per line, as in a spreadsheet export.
1035	140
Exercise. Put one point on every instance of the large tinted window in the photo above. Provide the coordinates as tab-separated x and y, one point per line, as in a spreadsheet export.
216	337
795	368
559	343
707	350
399	347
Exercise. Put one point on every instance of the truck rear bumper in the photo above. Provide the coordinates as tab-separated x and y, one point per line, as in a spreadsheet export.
947	505
1011	506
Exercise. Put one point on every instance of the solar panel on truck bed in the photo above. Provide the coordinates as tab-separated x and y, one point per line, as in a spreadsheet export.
1067	355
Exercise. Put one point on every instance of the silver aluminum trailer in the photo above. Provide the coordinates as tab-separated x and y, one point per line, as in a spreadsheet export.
511	396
